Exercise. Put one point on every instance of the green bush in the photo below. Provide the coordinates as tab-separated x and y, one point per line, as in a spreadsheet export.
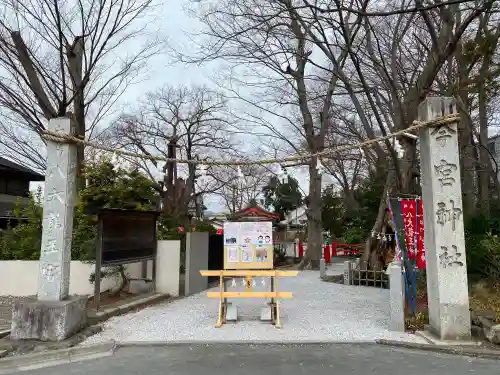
23	241
108	187
354	235
482	247
490	256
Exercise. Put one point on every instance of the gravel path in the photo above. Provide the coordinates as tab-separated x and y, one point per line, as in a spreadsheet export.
320	311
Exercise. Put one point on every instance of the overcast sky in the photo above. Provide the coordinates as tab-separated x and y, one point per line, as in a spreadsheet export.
176	24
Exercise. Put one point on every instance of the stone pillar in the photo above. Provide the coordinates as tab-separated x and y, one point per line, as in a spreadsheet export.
447	286
322	268
55	316
168	259
396	298
347	272
58	209
196	260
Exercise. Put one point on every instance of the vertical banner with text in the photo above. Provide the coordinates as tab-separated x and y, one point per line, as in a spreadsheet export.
421	260
409	212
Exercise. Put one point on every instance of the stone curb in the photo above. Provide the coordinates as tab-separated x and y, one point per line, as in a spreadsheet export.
471	352
55	357
138	344
458	350
97	317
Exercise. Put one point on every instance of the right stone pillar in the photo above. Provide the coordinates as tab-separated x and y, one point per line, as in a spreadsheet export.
447	287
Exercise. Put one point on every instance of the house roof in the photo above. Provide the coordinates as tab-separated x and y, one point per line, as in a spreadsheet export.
7	165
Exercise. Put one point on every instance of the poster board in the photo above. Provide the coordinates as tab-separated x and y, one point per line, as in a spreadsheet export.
248	245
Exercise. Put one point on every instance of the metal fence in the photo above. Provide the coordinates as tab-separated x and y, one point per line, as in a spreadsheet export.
365	277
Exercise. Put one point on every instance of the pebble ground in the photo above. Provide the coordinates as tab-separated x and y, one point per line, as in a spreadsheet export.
319	311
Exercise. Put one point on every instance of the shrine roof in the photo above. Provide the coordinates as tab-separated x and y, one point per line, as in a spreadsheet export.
254	212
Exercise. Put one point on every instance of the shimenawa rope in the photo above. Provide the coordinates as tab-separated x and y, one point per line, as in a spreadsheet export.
66	138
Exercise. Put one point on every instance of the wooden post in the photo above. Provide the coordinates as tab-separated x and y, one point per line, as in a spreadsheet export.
220	319
277	321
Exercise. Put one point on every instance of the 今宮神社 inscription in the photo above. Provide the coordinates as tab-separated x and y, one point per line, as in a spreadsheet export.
445	172
450	257
448	214
443	133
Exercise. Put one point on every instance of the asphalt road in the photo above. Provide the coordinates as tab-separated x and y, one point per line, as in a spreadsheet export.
341	359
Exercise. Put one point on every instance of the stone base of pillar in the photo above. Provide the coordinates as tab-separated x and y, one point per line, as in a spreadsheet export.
454	323
430	335
48	320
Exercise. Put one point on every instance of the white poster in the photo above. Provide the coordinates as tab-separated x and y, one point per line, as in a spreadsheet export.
247	233
231	233
263	233
261	253
232	254
246	254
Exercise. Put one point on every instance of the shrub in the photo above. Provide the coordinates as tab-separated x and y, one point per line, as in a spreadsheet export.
490	254
354	235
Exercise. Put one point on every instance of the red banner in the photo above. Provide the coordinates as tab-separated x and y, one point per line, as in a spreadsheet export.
301	249
421	260
409	212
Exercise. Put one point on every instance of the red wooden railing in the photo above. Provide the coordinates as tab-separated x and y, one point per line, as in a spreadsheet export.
336	249
343	249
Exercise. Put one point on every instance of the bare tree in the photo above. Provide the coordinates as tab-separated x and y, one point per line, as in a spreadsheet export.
273	43
194	122
382	72
238	192
58	58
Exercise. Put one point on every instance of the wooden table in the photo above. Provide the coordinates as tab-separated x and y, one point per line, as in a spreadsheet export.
274	294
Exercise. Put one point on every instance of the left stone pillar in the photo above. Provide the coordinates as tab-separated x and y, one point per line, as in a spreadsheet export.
54	316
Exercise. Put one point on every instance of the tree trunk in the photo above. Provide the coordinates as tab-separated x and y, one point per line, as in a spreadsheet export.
315	225
75	62
467	158
467	164
351	204
370	257
484	170
484	157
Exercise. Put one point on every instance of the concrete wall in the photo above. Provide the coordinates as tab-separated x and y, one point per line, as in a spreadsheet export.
20	277
196	260
167	267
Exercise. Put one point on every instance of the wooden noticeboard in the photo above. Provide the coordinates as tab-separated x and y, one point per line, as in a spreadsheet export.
248	245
